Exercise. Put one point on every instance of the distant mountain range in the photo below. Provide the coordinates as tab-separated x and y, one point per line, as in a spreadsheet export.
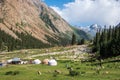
92	29
118	24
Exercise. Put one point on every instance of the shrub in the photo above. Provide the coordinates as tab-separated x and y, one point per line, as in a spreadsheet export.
97	71
56	72
74	73
55	75
12	73
78	68
1	20
16	72
17	24
82	72
9	73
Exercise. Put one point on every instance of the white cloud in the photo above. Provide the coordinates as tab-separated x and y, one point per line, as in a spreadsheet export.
103	12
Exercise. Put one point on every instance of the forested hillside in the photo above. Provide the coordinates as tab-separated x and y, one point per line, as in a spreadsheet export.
107	42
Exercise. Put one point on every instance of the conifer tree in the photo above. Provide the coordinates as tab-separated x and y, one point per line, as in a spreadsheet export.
73	42
107	42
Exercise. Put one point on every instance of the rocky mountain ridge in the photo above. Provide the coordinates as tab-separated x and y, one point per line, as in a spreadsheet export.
32	24
31	16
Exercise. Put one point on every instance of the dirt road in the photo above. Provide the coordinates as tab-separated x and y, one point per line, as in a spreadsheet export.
77	50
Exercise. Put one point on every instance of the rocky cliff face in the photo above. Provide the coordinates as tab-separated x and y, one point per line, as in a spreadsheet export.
33	17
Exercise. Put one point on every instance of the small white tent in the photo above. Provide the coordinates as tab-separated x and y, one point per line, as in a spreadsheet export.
36	61
52	62
9	61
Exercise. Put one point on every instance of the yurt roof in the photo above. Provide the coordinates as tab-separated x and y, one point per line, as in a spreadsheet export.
16	59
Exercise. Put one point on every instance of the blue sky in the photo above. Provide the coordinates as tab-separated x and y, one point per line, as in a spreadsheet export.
58	3
87	12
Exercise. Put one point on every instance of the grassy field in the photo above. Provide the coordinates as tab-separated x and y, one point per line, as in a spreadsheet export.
82	70
87	71
24	53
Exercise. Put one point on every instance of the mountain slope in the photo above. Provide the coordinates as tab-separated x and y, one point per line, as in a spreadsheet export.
81	34
29	16
31	24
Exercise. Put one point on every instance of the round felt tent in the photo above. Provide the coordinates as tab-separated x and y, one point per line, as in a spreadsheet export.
52	62
9	61
36	61
45	61
16	60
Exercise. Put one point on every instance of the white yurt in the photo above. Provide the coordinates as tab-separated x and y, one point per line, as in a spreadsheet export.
36	61
52	62
9	61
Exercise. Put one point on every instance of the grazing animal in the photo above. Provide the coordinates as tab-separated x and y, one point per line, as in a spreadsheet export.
70	68
57	71
106	72
39	72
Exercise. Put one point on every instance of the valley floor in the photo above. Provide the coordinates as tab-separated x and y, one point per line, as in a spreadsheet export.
75	57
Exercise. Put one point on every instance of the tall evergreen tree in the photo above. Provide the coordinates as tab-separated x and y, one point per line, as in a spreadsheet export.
73	42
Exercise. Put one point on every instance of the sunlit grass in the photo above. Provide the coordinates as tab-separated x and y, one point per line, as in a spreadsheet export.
29	71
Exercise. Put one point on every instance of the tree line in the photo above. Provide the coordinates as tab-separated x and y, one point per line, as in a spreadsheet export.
25	41
75	41
107	42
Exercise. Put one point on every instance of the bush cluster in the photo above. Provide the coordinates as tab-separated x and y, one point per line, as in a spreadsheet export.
74	73
12	73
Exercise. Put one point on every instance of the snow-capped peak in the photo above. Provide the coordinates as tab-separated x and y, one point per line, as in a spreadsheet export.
92	29
95	27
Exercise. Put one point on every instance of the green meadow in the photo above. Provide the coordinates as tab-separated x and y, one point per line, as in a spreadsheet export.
86	71
68	68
